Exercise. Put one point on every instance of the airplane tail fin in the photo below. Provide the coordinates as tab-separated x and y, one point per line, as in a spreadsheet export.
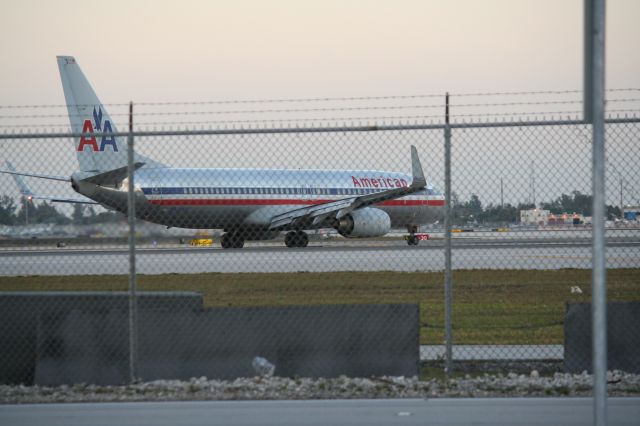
101	152
25	190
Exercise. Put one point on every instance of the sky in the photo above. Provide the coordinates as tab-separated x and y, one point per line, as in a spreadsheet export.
204	51
191	50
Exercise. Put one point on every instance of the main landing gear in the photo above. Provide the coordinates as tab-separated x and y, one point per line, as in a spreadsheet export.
232	240
296	239
235	239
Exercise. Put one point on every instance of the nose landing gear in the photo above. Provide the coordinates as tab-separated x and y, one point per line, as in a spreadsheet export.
413	239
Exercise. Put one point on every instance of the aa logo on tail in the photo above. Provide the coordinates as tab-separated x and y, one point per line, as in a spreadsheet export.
97	126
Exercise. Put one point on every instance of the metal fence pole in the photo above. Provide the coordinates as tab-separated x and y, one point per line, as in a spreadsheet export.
131	213
595	10
448	284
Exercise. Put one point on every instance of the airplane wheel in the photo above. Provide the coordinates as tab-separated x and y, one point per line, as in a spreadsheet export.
412	240
230	240
296	239
225	241
289	239
303	239
238	242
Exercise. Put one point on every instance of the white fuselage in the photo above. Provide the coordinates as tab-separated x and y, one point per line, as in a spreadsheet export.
249	198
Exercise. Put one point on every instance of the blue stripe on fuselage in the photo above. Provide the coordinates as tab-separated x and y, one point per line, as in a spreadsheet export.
268	191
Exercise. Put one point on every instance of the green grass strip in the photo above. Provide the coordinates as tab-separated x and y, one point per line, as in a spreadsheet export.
490	306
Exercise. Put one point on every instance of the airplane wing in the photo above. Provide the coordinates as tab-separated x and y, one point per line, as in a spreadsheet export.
26	191
316	214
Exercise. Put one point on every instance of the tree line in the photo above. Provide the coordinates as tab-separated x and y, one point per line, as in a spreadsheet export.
473	211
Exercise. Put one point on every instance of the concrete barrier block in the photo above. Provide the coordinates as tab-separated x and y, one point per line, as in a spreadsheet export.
64	338
623	335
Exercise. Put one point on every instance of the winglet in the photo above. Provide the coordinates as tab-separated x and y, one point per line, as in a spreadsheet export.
416	169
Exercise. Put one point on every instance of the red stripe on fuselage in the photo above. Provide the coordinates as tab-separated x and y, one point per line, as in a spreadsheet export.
278	202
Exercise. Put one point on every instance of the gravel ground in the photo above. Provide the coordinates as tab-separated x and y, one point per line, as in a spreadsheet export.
262	388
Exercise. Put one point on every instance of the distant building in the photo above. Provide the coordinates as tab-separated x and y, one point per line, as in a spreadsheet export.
534	217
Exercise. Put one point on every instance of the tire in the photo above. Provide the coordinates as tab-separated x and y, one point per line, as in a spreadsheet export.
289	239
238	242
230	240
412	240
225	241
303	239
296	239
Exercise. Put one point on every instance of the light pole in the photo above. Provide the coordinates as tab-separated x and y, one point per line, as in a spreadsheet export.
26	209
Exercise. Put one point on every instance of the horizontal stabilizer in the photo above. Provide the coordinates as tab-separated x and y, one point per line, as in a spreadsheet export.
12	171
26	191
112	177
55	199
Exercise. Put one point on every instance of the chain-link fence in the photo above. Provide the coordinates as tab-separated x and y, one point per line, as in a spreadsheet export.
311	251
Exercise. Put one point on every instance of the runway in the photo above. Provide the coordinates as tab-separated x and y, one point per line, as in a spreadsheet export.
442	411
381	255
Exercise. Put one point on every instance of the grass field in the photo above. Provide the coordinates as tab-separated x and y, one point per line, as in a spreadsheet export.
490	307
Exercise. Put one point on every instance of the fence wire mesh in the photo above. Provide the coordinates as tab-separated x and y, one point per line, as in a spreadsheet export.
238	275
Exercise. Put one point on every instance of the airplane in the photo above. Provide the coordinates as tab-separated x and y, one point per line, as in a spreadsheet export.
247	204
27	192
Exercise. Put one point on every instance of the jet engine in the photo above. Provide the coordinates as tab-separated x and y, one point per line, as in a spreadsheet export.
366	222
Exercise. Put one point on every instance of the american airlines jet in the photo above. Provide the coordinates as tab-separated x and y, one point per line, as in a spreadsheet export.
248	204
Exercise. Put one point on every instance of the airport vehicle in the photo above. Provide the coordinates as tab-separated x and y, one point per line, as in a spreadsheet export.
201	242
248	204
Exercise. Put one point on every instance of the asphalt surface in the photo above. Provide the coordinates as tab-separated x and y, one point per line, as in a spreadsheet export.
461	411
392	255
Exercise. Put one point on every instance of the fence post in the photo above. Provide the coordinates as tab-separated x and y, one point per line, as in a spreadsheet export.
594	38
131	215
448	284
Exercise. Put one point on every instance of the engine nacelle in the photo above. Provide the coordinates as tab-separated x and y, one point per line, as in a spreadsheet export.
366	222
